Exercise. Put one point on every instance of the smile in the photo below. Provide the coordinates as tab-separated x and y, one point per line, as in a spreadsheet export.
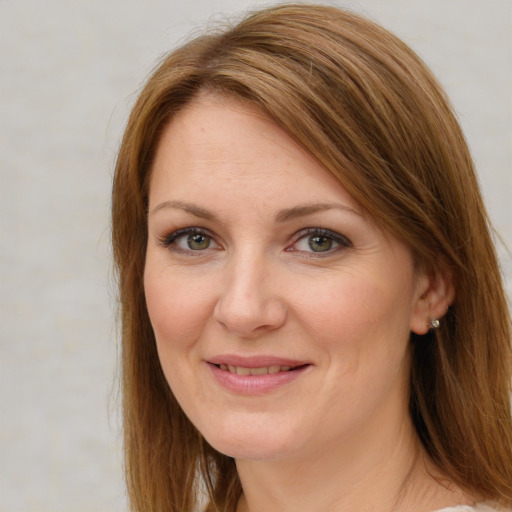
256	376
262	370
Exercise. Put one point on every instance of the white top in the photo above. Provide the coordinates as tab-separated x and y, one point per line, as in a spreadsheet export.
479	507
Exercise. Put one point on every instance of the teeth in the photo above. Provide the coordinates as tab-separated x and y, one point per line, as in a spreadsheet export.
262	370
259	371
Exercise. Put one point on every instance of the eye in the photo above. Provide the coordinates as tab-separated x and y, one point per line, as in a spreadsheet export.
189	239
197	241
319	241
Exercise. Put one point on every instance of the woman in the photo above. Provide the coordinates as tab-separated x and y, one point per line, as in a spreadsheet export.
313	315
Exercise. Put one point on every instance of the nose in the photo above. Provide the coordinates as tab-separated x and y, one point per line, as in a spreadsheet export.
249	305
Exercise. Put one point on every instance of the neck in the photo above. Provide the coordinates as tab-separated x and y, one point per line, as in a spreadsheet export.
391	473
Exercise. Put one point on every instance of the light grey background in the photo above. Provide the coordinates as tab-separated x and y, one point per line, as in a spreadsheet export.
69	72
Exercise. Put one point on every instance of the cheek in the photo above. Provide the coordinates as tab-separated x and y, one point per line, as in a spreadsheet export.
362	329
177	307
353	305
361	321
178	310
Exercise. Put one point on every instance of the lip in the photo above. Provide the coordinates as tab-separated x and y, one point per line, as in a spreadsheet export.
256	384
255	361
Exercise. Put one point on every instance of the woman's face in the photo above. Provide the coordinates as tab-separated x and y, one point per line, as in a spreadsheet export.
281	313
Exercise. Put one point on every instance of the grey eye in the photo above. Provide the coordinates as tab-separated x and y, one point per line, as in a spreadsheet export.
320	243
198	241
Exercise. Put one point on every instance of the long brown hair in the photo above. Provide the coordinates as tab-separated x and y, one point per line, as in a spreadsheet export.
366	107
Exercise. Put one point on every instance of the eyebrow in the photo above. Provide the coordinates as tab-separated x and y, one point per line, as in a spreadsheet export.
193	209
282	216
309	209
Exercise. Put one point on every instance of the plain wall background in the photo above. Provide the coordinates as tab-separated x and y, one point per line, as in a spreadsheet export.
69	72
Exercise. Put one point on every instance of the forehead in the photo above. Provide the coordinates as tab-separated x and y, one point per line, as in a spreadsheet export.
222	146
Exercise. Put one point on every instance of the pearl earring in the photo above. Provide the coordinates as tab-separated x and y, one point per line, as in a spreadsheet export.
433	323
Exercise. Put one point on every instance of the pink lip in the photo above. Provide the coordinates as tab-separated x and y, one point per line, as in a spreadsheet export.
255	384
255	361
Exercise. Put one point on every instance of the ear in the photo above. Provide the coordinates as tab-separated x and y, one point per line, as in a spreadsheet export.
434	294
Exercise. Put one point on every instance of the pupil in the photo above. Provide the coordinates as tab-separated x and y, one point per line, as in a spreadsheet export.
198	241
320	243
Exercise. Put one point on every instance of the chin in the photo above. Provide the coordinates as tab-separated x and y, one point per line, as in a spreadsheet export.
255	441
248	449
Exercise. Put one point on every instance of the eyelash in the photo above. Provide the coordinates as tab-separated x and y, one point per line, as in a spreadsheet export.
342	242
170	241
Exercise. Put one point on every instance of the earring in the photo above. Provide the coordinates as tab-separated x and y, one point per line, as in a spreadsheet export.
433	323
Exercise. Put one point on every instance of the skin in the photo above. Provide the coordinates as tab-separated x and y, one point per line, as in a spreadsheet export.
252	279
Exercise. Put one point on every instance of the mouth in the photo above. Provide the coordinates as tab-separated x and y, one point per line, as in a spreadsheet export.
256	375
260	370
